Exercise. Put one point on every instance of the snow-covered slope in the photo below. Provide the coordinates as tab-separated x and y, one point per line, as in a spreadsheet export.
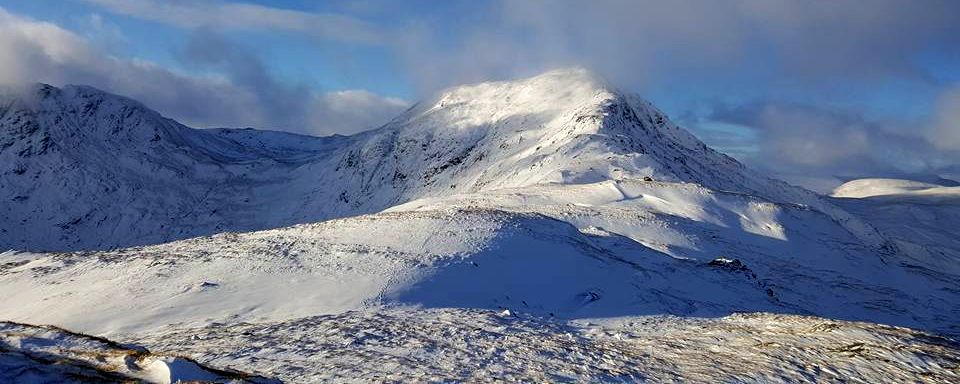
594	250
790	248
458	258
922	218
83	169
557	197
310	302
32	354
564	126
468	345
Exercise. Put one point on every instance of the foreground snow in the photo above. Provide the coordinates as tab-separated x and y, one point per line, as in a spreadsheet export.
480	345
32	354
470	345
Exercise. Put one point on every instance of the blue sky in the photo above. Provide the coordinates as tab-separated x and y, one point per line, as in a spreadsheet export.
868	88
292	57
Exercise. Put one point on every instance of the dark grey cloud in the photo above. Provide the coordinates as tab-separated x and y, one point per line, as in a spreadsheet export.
945	133
815	141
856	38
653	44
282	105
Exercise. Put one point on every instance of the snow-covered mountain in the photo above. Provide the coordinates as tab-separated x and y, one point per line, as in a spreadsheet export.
557	197
83	169
923	219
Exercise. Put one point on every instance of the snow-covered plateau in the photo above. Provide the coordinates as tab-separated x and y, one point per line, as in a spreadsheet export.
545	229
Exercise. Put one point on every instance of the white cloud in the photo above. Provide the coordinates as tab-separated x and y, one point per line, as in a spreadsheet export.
213	14
36	51
352	111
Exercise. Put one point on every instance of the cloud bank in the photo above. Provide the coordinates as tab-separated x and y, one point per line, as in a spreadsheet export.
652	43
211	14
243	94
798	138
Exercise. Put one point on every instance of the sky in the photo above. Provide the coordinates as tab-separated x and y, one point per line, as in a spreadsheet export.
804	89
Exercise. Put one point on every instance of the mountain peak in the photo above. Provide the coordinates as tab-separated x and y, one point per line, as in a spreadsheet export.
565	125
569	75
554	90
32	93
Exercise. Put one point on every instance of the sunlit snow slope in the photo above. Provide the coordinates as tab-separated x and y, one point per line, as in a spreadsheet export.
922	218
